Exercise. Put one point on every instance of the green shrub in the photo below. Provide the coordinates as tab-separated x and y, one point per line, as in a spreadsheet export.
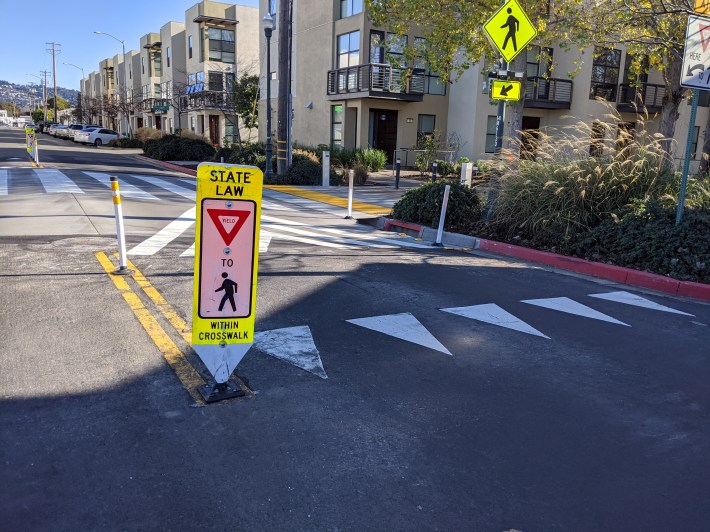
343	157
565	191
371	158
126	143
222	153
145	133
422	205
175	148
303	171
360	174
445	168
648	239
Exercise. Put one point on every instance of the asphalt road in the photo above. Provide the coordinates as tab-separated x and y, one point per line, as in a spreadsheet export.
557	421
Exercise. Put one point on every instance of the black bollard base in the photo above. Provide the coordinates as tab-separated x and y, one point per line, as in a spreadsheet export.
220	391
123	271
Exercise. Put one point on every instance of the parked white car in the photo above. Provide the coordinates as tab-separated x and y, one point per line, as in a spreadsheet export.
96	136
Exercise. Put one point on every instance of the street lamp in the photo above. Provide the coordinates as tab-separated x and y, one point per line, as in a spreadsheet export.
81	107
125	90
268	25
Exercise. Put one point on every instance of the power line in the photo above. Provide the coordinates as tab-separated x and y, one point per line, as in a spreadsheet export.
54	51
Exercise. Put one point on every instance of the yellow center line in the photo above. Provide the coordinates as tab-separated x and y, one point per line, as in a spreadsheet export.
187	374
330	200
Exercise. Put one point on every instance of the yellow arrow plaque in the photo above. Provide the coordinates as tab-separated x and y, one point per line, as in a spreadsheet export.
510	91
509	29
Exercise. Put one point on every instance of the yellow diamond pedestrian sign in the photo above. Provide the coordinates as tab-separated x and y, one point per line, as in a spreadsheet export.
510	30
506	90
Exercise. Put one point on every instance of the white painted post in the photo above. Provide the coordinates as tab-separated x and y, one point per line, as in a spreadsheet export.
326	168
466	173
444	205
351	184
120	232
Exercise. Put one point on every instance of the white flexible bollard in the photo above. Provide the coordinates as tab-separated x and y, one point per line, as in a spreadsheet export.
444	205
120	232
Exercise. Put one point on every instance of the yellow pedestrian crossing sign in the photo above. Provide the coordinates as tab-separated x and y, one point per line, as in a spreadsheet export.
510	30
506	90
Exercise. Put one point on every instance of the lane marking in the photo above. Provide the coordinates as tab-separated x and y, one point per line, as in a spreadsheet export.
55	182
189	252
569	306
303	240
628	298
403	326
267	205
294	345
330	200
167	234
264	241
127	190
495	315
3	182
167	185
187	374
334	238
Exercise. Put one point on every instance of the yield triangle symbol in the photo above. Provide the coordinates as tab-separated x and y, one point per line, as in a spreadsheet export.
228	222
403	326
294	345
704	31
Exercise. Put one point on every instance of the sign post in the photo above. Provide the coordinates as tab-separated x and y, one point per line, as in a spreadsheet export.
32	148
694	75
226	261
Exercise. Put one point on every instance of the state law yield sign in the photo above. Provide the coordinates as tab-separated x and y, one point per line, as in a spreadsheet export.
695	72
509	29
226	260
510	91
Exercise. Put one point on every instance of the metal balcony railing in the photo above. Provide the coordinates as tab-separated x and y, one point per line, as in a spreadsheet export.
548	93
634	97
204	100
375	78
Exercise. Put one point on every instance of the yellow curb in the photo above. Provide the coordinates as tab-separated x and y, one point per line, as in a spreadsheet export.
330	200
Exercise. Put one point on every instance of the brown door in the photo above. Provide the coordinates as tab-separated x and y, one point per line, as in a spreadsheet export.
214	129
158	123
529	138
384	131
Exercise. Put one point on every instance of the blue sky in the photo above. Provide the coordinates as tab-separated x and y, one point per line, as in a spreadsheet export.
27	26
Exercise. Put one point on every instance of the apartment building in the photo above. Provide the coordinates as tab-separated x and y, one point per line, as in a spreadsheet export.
182	76
349	91
349	87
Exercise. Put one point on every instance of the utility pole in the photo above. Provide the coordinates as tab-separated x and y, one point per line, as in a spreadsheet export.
284	23
54	51
44	94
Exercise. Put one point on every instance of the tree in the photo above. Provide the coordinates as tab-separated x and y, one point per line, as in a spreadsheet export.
37	115
246	100
62	104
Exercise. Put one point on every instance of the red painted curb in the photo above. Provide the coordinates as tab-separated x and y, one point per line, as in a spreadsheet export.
605	271
396	223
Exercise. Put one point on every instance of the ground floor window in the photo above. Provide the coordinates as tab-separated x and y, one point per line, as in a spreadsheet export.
336	125
491	134
425	126
230	129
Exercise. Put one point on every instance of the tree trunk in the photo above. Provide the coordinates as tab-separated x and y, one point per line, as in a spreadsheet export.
671	102
705	162
514	110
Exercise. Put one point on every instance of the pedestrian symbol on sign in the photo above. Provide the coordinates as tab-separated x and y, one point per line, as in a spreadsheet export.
513	25
230	288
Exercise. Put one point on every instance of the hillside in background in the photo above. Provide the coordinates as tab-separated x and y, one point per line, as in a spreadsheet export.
24	95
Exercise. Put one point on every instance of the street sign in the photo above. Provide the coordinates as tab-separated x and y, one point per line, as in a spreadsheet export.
506	90
509	29
695	74
31	141
226	260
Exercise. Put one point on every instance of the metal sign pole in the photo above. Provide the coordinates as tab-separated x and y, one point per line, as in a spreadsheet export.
686	162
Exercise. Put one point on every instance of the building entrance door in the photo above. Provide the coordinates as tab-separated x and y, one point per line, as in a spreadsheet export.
530	133
214	129
383	131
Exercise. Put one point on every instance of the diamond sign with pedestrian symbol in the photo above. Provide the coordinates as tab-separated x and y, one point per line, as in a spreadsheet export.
510	30
506	90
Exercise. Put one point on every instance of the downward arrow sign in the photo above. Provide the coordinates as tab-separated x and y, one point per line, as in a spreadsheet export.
691	69
505	90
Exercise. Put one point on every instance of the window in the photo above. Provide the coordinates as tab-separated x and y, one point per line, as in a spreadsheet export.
221	45
167	56
142	65
130	71
157	65
230	128
189	49
336	125
215	81
156	90
605	73
348	56
432	83
349	8
425	126
491	134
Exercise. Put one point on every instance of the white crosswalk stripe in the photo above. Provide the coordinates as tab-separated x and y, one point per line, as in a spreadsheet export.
166	235
167	185
127	190
55	182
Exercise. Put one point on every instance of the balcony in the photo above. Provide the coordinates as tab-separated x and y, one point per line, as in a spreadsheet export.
548	93
204	100
376	80
634	97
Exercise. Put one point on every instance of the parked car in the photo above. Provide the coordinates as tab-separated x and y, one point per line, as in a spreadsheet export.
96	136
73	129
84	128
58	129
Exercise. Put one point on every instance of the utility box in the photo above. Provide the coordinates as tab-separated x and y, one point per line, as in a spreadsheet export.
466	174
326	168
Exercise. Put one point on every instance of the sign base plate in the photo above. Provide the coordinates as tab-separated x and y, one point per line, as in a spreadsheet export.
218	392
